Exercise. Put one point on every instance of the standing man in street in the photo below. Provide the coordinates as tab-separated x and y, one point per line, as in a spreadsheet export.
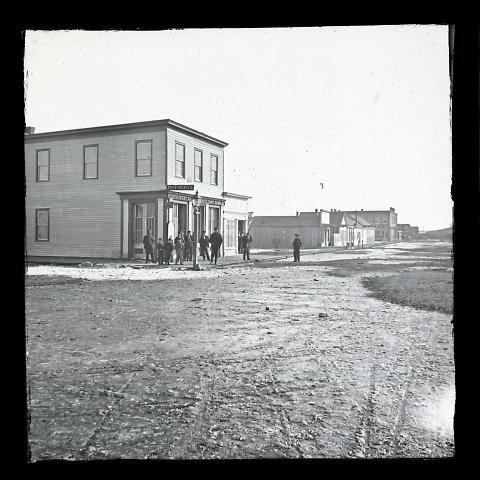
204	246
188	246
297	243
149	246
168	250
240	242
160	251
215	241
179	246
246	241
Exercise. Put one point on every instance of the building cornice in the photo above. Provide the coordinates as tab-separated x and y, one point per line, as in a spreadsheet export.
235	195
127	126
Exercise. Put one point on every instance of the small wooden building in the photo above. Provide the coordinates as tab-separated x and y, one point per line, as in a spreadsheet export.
348	230
278	232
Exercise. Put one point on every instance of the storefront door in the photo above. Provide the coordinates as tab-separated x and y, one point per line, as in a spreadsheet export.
180	218
214	219
143	218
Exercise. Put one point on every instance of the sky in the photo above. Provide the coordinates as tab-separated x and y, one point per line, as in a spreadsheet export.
320	117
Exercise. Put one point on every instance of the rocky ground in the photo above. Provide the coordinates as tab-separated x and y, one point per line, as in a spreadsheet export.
267	360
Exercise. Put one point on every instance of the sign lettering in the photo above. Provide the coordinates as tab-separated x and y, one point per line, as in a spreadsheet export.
180	187
183	198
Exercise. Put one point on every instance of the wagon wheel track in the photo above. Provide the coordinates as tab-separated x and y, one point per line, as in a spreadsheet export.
89	443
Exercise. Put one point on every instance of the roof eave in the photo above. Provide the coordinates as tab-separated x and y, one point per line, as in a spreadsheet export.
124	126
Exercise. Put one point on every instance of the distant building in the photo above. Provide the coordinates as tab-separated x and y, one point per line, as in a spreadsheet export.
443	235
407	232
278	232
349	231
94	192
383	221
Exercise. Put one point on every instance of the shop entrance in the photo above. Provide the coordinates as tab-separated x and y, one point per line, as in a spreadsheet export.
179	219
214	219
240	230
144	217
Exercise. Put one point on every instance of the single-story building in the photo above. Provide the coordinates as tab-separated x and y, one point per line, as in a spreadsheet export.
407	232
349	231
278	232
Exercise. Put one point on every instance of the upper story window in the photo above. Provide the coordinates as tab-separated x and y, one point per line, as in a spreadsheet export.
143	158
198	165
214	170
42	224
179	160
43	165
90	161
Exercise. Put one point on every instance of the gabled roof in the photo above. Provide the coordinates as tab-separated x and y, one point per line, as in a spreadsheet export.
351	220
287	221
336	218
126	126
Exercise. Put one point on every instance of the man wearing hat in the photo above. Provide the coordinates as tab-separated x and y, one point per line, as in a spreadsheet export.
297	243
149	246
215	242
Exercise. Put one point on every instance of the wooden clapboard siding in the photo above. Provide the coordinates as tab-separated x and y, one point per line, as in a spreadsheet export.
204	188
85	215
282	237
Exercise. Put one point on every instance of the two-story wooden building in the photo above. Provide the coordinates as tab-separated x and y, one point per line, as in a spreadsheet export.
94	192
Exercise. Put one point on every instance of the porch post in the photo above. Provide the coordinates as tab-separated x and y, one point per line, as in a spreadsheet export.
125	228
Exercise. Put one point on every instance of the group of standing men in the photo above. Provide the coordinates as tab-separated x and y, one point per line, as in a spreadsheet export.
244	243
183	246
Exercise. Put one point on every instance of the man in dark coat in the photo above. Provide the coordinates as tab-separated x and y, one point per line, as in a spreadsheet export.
215	242
188	246
204	240
149	246
160	251
246	241
168	250
179	246
297	243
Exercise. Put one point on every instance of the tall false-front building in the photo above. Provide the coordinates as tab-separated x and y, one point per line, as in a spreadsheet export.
94	192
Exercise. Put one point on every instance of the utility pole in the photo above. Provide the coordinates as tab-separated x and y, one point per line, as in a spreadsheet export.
196	267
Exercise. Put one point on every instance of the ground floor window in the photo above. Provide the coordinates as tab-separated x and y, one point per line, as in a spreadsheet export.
42	224
230	238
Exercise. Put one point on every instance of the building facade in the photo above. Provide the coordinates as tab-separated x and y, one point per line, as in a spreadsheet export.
94	192
407	232
349	231
235	221
383	221
278	232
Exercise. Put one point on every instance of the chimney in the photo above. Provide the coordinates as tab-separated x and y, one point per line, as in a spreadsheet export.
29	130
316	211
297	213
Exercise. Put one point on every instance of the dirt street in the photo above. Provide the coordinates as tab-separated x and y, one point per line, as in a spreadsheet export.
242	362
